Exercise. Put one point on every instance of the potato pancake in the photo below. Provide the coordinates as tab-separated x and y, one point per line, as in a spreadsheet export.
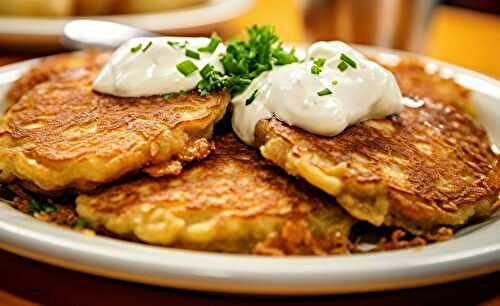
232	201
61	135
415	82
51	66
428	167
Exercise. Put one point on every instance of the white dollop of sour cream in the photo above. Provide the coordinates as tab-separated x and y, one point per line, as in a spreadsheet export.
290	93
151	70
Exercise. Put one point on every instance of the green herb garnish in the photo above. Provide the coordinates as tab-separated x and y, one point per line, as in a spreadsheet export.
342	66
284	58
136	48
150	43
318	65
186	67
80	222
251	98
324	92
335	82
192	54
316	70
245	60
167	95
212	45
173	44
348	60
177	45
319	61
206	70
211	80
50	209
37	207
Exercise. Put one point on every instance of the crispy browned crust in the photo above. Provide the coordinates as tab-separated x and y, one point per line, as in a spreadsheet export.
62	135
52	66
429	166
416	83
400	239
231	201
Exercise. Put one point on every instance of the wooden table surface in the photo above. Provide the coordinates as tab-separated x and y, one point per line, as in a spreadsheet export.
25	282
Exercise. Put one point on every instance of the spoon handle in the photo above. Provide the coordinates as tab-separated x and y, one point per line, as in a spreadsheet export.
83	34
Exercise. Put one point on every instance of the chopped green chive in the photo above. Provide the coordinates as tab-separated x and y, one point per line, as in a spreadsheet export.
50	209
284	58
167	95
335	82
211	80
36	207
315	69
80	222
186	67
342	66
192	54
147	46
324	92
244	60
205	71
173	44
251	98
318	65
212	45
319	62
136	48
348	60
177	45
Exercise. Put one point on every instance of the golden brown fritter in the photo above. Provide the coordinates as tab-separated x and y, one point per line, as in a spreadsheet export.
416	83
52	66
62	135
428	167
232	201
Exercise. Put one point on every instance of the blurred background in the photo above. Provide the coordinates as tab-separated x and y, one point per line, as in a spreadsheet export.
462	32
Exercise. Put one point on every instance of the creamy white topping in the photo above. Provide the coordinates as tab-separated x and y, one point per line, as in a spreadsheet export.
152	70
290	93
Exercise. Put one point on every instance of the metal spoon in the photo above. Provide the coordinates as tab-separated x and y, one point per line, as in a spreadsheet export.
83	34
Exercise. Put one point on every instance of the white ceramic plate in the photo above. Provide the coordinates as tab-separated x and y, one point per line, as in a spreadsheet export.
45	33
474	251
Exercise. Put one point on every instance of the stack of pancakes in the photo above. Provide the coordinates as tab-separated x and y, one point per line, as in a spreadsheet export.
171	172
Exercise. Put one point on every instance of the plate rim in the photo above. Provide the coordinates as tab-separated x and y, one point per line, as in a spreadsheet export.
28	237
